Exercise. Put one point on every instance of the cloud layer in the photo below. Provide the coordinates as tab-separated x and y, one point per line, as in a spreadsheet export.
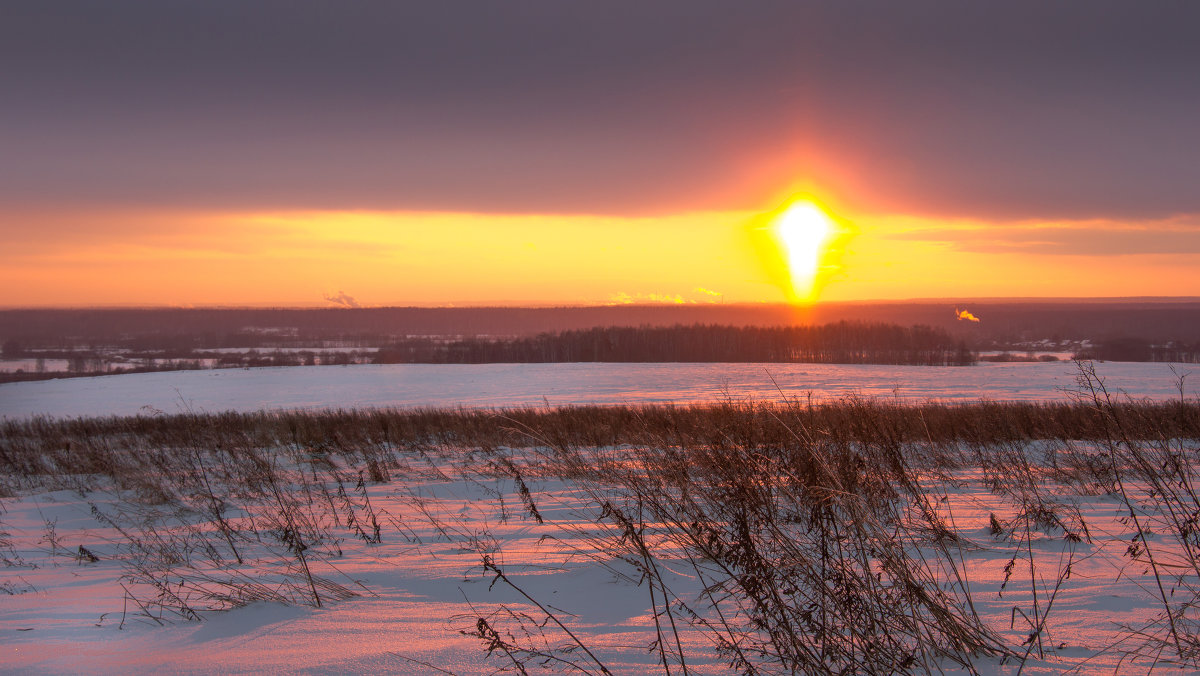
1021	110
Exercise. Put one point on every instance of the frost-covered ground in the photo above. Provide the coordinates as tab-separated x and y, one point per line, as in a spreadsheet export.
411	601
416	591
1045	550
514	385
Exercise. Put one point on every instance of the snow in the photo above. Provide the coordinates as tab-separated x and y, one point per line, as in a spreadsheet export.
518	385
424	584
417	594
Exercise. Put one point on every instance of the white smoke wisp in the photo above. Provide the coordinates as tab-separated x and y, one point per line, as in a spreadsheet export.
342	299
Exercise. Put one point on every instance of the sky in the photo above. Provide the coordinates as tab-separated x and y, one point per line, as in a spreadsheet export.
562	153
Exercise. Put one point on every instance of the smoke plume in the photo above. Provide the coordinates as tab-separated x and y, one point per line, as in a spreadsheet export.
965	315
341	299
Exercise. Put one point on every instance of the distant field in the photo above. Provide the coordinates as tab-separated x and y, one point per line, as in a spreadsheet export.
523	385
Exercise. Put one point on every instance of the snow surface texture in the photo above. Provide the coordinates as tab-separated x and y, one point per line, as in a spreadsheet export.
423	583
518	385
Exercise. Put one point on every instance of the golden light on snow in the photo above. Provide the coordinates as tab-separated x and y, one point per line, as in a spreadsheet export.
804	231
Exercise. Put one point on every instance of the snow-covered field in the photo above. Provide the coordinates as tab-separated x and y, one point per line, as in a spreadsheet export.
414	599
415	592
514	385
385	558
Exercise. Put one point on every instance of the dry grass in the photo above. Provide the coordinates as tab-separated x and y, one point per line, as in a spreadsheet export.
819	532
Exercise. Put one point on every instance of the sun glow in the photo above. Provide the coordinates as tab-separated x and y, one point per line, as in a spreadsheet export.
804	231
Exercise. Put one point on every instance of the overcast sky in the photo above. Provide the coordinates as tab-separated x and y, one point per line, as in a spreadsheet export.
1008	110
174	152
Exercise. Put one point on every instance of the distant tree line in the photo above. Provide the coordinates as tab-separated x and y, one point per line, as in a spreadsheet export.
1004	323
88	363
839	343
88	367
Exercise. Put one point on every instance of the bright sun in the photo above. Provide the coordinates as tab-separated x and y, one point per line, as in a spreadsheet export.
804	230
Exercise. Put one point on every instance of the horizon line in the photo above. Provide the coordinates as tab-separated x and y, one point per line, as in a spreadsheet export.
590	306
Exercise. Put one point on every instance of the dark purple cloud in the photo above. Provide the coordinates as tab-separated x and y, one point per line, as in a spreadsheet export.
1015	110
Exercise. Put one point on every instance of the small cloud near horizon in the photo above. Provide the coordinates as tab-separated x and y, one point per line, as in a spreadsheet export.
707	296
622	298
